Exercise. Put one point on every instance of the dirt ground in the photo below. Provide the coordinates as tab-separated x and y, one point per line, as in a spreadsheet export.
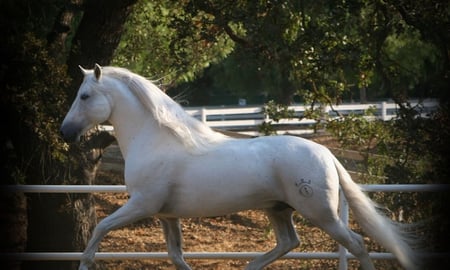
247	231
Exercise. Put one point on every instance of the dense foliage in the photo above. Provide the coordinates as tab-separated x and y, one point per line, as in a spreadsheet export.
290	50
318	52
34	98
159	44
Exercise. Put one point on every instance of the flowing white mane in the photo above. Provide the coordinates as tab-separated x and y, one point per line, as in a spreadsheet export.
191	132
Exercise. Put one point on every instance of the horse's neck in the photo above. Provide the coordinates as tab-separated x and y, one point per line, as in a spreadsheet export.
134	125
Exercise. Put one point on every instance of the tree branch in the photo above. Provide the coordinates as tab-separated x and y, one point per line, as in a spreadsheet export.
235	37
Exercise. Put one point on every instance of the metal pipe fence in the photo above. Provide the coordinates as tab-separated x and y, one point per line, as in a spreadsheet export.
342	255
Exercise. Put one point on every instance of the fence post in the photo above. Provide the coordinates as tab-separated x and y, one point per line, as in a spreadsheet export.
343	214
384	111
203	115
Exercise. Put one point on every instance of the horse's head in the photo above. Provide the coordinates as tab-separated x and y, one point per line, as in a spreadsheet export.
90	107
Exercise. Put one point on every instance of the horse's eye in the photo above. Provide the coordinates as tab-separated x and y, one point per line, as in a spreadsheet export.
84	96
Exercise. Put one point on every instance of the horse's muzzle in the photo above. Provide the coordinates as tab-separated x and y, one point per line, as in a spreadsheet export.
70	133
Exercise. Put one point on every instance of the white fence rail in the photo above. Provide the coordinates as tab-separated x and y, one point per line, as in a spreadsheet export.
248	118
342	254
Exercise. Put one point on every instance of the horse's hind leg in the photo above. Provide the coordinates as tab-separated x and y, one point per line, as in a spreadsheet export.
349	239
286	236
173	235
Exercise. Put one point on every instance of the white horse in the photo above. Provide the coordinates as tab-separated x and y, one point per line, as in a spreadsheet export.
176	166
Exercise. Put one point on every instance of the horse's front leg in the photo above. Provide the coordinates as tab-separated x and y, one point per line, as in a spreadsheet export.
174	240
131	211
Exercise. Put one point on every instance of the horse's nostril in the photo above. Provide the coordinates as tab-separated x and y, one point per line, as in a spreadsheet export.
68	134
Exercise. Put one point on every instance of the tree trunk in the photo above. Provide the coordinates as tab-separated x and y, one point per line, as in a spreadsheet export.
98	35
64	25
64	222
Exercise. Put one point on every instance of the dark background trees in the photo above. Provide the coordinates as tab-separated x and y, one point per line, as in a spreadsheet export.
291	50
43	44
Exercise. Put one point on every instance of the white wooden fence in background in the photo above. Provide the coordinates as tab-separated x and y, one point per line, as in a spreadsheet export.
246	119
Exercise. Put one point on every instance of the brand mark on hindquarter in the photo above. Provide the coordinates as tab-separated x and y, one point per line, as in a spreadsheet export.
304	187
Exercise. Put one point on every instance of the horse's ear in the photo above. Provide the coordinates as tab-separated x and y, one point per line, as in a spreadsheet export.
82	70
98	72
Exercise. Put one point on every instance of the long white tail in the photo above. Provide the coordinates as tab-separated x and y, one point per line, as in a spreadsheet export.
381	229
